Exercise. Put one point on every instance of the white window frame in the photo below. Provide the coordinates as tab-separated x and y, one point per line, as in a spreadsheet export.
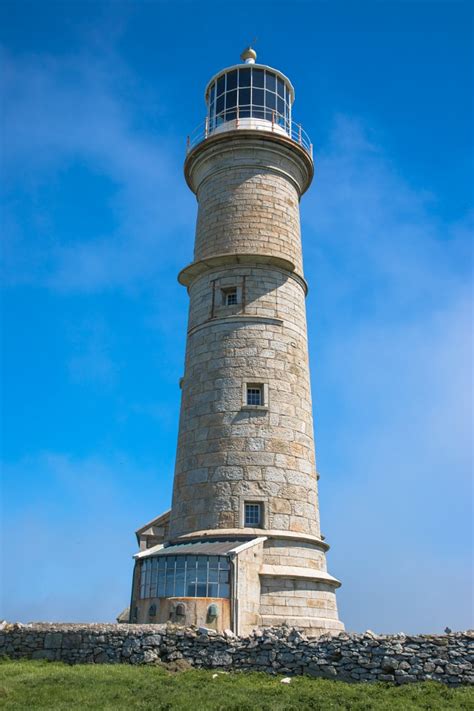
252	500
264	390
226	290
231	291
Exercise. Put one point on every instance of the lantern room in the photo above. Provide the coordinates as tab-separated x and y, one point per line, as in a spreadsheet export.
251	95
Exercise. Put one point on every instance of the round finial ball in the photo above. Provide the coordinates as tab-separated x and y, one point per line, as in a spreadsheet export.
248	56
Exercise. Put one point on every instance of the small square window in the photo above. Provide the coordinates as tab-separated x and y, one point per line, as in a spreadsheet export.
254	395
253	515
229	296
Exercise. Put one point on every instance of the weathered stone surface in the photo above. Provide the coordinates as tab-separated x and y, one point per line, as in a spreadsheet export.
357	657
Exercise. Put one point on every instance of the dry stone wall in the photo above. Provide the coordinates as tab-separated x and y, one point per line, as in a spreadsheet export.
350	657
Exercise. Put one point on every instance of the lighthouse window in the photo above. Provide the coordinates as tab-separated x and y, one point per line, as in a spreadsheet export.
254	395
185	576
229	296
253	514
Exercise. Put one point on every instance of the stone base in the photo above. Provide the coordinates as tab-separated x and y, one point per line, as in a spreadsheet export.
296	588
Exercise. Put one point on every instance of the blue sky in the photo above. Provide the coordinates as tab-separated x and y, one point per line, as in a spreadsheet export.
97	221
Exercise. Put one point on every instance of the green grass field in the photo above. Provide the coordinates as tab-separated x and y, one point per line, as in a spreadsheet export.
44	685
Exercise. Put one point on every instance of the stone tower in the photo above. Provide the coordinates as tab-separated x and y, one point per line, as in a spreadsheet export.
241	546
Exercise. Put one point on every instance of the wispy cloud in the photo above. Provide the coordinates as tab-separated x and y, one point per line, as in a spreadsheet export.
91	353
380	238
393	351
80	110
71	534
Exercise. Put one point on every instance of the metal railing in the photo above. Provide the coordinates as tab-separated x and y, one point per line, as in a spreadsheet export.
230	120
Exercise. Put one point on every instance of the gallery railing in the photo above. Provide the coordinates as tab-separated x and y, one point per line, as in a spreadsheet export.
253	118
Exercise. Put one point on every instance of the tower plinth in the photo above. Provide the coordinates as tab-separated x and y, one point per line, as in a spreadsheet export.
243	533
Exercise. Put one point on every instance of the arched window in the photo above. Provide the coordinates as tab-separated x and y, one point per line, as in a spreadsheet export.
180	610
212	612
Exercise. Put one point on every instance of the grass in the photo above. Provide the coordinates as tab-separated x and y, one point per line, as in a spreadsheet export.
53	685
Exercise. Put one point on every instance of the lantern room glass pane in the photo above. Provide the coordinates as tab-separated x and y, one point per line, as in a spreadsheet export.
270	100
280	87
244	77
258	78
258	97
220	104
244	97
270	81
232	80
221	85
231	99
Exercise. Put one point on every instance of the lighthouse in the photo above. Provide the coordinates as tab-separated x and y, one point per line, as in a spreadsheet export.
241	546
